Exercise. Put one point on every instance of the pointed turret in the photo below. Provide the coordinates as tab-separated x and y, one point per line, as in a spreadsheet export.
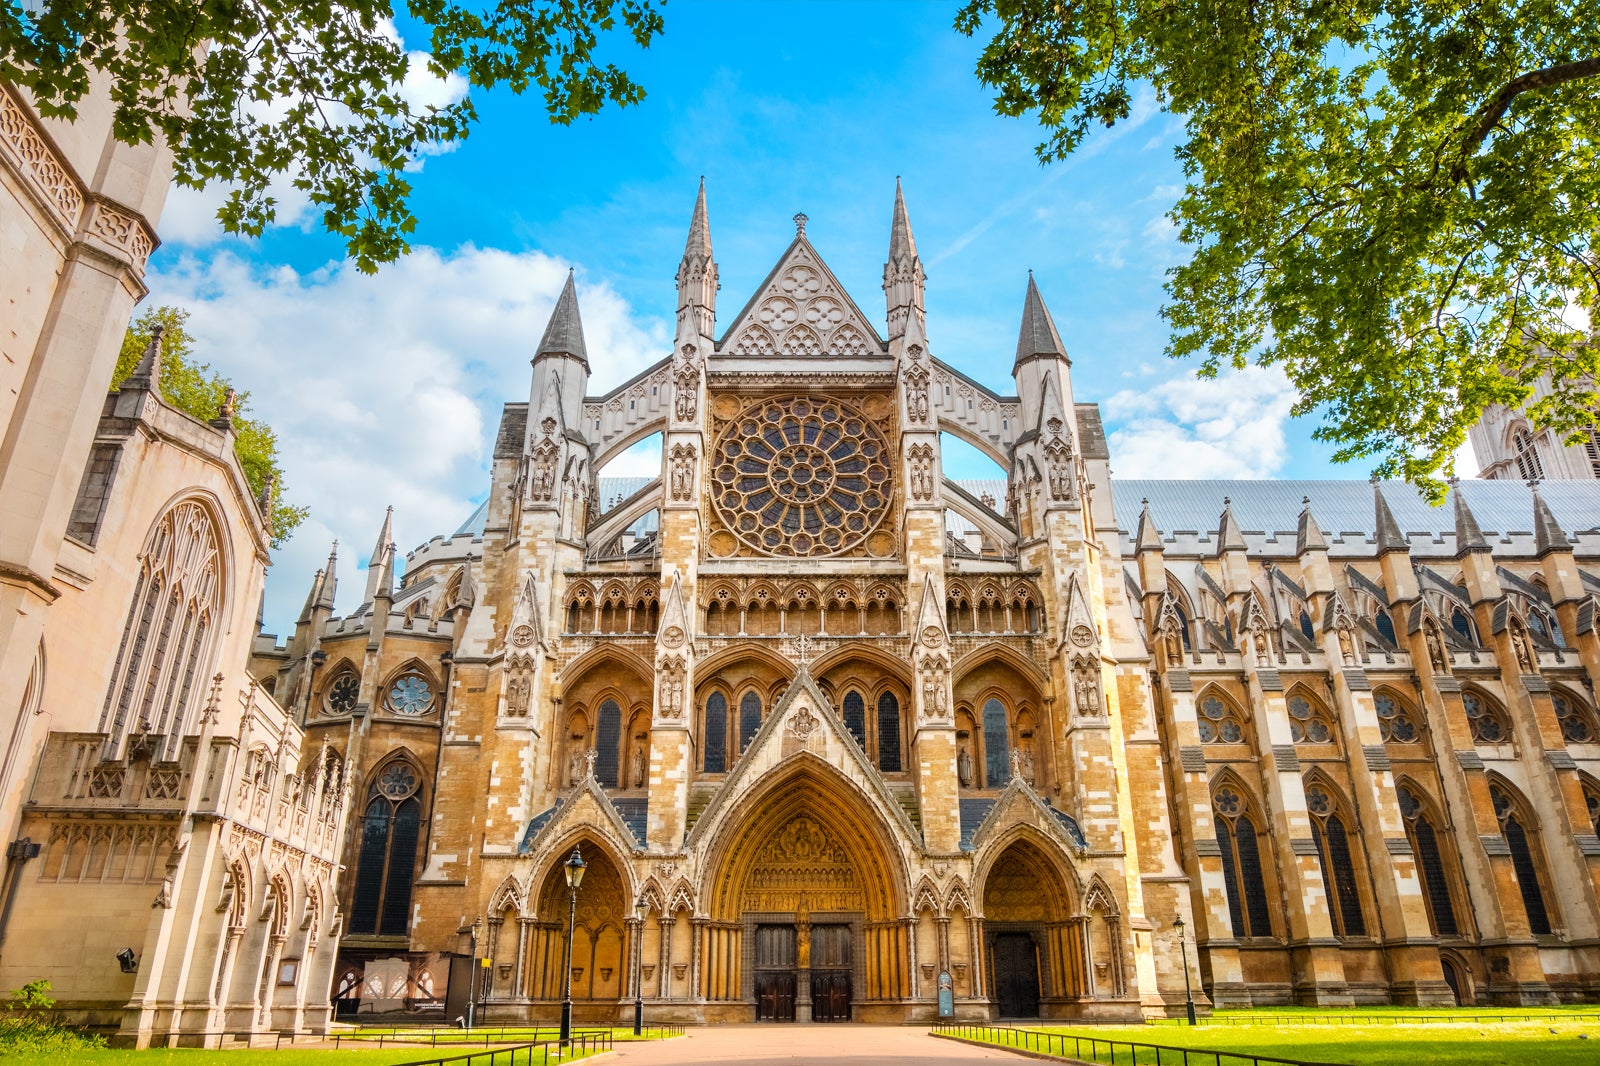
1469	538
147	372
376	560
561	361
1390	539
1229	537
330	580
564	333
1149	537
1309	536
1548	535
311	598
697	276
1038	336
904	281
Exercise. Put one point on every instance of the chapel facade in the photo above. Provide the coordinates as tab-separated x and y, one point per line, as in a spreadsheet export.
833	731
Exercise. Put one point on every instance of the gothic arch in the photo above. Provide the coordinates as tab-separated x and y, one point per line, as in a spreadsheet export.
1062	891
607	653
395	695
615	446
719	661
1221	717
1433	842
982	656
926	898
1247	868
1519	828
596	838
508	895
968	435
1340	854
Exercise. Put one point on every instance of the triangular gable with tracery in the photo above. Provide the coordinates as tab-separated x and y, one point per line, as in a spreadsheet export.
801	309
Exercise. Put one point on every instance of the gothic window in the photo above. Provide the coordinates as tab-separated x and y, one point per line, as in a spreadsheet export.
1486	718
1518	829
1591	448
855	717
888	733
1241	865
1305	626
1424	838
342	693
1183	624
1332	838
1309	723
1220	722
1544	625
167	635
608	743
411	694
1527	455
996	744
1385	626
1591	798
1575	717
801	477
381	902
749	719
1462	625
716	733
1397	723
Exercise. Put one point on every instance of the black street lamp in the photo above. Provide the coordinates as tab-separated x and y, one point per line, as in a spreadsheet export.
641	907
573	868
1183	951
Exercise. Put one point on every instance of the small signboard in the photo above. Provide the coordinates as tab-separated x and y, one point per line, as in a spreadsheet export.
947	996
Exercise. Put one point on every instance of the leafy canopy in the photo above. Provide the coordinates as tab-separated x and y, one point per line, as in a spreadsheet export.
1396	201
196	390
247	90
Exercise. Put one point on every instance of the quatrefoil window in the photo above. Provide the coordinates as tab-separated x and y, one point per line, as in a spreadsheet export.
801	477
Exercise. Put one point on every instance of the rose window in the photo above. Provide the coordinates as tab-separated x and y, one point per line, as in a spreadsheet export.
342	694
410	695
801	477
397	781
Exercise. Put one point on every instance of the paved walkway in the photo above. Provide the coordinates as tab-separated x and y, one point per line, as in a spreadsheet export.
837	1045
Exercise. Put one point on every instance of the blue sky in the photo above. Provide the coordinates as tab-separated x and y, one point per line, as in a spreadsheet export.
387	389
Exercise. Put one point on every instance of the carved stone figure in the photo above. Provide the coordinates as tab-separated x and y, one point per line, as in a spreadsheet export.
1525	659
575	763
1436	652
1022	762
933	693
542	471
921	472
964	766
682	476
671	674
518	691
636	765
1063	481
1347	647
686	386
1085	686
916	376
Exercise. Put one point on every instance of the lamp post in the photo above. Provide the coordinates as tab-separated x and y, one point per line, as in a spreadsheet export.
573	868
1183	952
472	975
641	907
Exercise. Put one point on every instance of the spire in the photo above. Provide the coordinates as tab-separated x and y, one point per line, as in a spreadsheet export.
1038	335
1309	537
1229	538
330	582
311	598
697	275
1469	538
1547	532
903	278
1149	538
385	583
376	560
1390	539
564	334
147	372
699	243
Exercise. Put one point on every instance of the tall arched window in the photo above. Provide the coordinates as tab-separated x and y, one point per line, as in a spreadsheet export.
1425	843
607	743
1517	828
716	733
855	716
996	744
381	903
888	733
1527	455
749	719
1241	865
167	636
1332	838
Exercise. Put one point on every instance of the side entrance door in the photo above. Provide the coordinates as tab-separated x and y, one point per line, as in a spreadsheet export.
1016	975
775	973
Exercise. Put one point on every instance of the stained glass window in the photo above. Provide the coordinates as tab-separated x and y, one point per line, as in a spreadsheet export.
888	733
716	733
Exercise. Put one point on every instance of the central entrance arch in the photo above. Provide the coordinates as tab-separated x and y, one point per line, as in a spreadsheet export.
808	890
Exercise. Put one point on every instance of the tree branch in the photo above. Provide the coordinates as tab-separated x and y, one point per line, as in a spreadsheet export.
1549	77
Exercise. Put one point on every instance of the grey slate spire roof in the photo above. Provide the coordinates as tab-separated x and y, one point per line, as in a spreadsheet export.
1309	538
375	563
1229	537
564	334
902	245
1038	335
1547	534
330	580
699	243
1149	539
1390	539
1469	538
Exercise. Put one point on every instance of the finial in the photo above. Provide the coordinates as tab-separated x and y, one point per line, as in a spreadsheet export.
1533	483
1144	501
800	221
1227	501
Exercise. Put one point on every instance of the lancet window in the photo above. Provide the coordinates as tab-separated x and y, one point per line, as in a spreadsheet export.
1425	843
749	719
888	733
1526	451
1242	872
1332	837
855	716
996	744
381	902
1519	830
716	734
608	744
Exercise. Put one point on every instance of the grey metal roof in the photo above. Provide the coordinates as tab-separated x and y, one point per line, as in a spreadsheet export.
475	521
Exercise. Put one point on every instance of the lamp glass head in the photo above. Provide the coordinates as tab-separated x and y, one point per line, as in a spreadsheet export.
574	867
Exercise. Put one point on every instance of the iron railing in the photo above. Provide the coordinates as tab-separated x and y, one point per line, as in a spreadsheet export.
581	1045
1110	1052
1396	1018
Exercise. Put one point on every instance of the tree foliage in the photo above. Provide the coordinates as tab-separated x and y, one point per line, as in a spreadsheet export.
195	389
248	90
1396	201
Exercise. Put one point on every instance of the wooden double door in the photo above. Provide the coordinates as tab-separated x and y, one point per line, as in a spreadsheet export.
1016	975
778	973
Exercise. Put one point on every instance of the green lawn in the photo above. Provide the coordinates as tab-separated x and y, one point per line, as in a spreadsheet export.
1302	1036
240	1057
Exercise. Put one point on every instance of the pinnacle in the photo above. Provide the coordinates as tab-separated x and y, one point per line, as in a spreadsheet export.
1229	536
147	372
1390	539
1309	535
902	245
1469	538
329	585
1547	532
564	334
1149	537
699	243
1038	335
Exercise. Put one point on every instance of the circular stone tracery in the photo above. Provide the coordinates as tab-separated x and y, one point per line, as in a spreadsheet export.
801	477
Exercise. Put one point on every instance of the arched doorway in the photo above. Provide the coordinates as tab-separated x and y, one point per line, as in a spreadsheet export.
805	875
1033	955
600	961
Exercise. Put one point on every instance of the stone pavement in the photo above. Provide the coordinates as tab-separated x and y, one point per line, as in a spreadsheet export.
837	1045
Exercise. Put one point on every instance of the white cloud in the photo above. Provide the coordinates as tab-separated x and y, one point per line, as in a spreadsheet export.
1231	426
387	389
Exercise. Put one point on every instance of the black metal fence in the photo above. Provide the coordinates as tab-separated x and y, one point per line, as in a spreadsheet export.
539	1051
1110	1052
1394	1018
391	1036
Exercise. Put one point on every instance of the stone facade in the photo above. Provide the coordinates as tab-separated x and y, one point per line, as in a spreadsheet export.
1508	446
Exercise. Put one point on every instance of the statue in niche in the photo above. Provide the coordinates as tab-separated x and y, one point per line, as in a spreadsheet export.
933	693
1525	660
1022	761
686	386
921	456
682	471
576	761
916	387
1174	644
1347	647
1436	653
518	692
542	479
636	764
672	689
964	766
1085	686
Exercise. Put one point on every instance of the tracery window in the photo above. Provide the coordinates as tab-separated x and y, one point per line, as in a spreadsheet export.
996	744
342	693
749	719
801	477
1487	720
1516	827
1397	723
411	694
1462	624
1241	865
716	734
1425	843
888	733
381	903
1332	838
855	717
608	744
1385	625
167	635
1575	717
1527	455
1309	723
1220	722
